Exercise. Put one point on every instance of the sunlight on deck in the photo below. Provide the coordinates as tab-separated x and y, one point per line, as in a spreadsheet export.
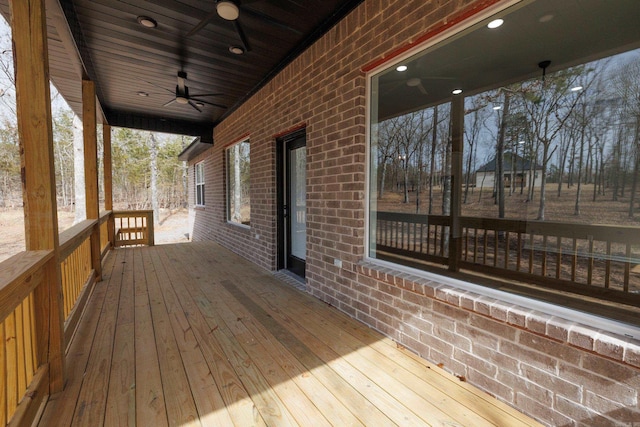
193	335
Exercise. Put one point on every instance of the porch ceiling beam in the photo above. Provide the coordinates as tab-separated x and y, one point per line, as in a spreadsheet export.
159	124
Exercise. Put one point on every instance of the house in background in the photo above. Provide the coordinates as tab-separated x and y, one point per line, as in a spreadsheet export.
517	170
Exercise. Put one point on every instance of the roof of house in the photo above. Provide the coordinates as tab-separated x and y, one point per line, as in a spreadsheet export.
509	159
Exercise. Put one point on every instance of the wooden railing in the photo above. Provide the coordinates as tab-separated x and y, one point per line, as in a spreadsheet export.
25	287
133	228
30	289
552	254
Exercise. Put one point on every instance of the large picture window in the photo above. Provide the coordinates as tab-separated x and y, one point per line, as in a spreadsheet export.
238	194
496	155
199	171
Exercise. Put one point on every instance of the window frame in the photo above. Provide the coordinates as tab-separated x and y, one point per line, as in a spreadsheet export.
229	187
199	185
610	324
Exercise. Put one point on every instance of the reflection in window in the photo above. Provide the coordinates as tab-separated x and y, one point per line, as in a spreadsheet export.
547	148
199	184
238	196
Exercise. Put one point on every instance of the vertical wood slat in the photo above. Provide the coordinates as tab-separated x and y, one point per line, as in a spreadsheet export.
531	250
558	256
496	237
607	275
3	377
544	256
590	262
506	250
574	259
12	364
627	268
519	254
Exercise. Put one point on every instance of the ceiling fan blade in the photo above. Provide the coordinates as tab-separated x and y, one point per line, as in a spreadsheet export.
206	94
203	23
195	106
243	37
270	20
169	103
209	103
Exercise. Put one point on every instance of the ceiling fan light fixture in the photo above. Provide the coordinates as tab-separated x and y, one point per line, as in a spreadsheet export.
495	23
228	10
147	22
236	50
181	100
414	82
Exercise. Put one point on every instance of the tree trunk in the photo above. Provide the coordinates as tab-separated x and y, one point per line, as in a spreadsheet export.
154	178
636	166
432	166
576	210
500	156
78	171
543	179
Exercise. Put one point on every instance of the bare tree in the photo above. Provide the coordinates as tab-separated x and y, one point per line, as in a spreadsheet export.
548	109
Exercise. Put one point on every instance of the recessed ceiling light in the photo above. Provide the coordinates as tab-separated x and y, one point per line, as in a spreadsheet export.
546	18
141	93
401	68
456	91
576	88
520	142
227	10
497	107
236	50
495	23
147	22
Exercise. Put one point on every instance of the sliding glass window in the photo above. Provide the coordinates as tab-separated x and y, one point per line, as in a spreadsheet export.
512	150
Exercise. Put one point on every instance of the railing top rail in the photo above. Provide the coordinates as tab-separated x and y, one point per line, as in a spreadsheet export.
598	232
17	278
104	216
72	237
120	214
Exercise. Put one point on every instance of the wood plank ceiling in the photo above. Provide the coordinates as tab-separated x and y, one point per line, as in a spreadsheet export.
135	68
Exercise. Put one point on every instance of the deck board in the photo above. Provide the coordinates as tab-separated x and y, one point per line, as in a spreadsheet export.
193	335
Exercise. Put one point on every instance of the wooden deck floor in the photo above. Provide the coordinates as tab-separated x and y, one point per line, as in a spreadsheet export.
191	334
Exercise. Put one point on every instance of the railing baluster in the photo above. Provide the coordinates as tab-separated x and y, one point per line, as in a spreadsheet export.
519	254
506	250
484	250
558	256
627	268
544	256
496	237
607	267
574	260
590	262
475	245
531	250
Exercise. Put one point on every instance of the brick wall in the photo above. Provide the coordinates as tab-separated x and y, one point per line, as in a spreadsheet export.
560	373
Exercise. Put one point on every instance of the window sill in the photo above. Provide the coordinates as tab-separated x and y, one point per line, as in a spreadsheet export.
606	337
235	224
